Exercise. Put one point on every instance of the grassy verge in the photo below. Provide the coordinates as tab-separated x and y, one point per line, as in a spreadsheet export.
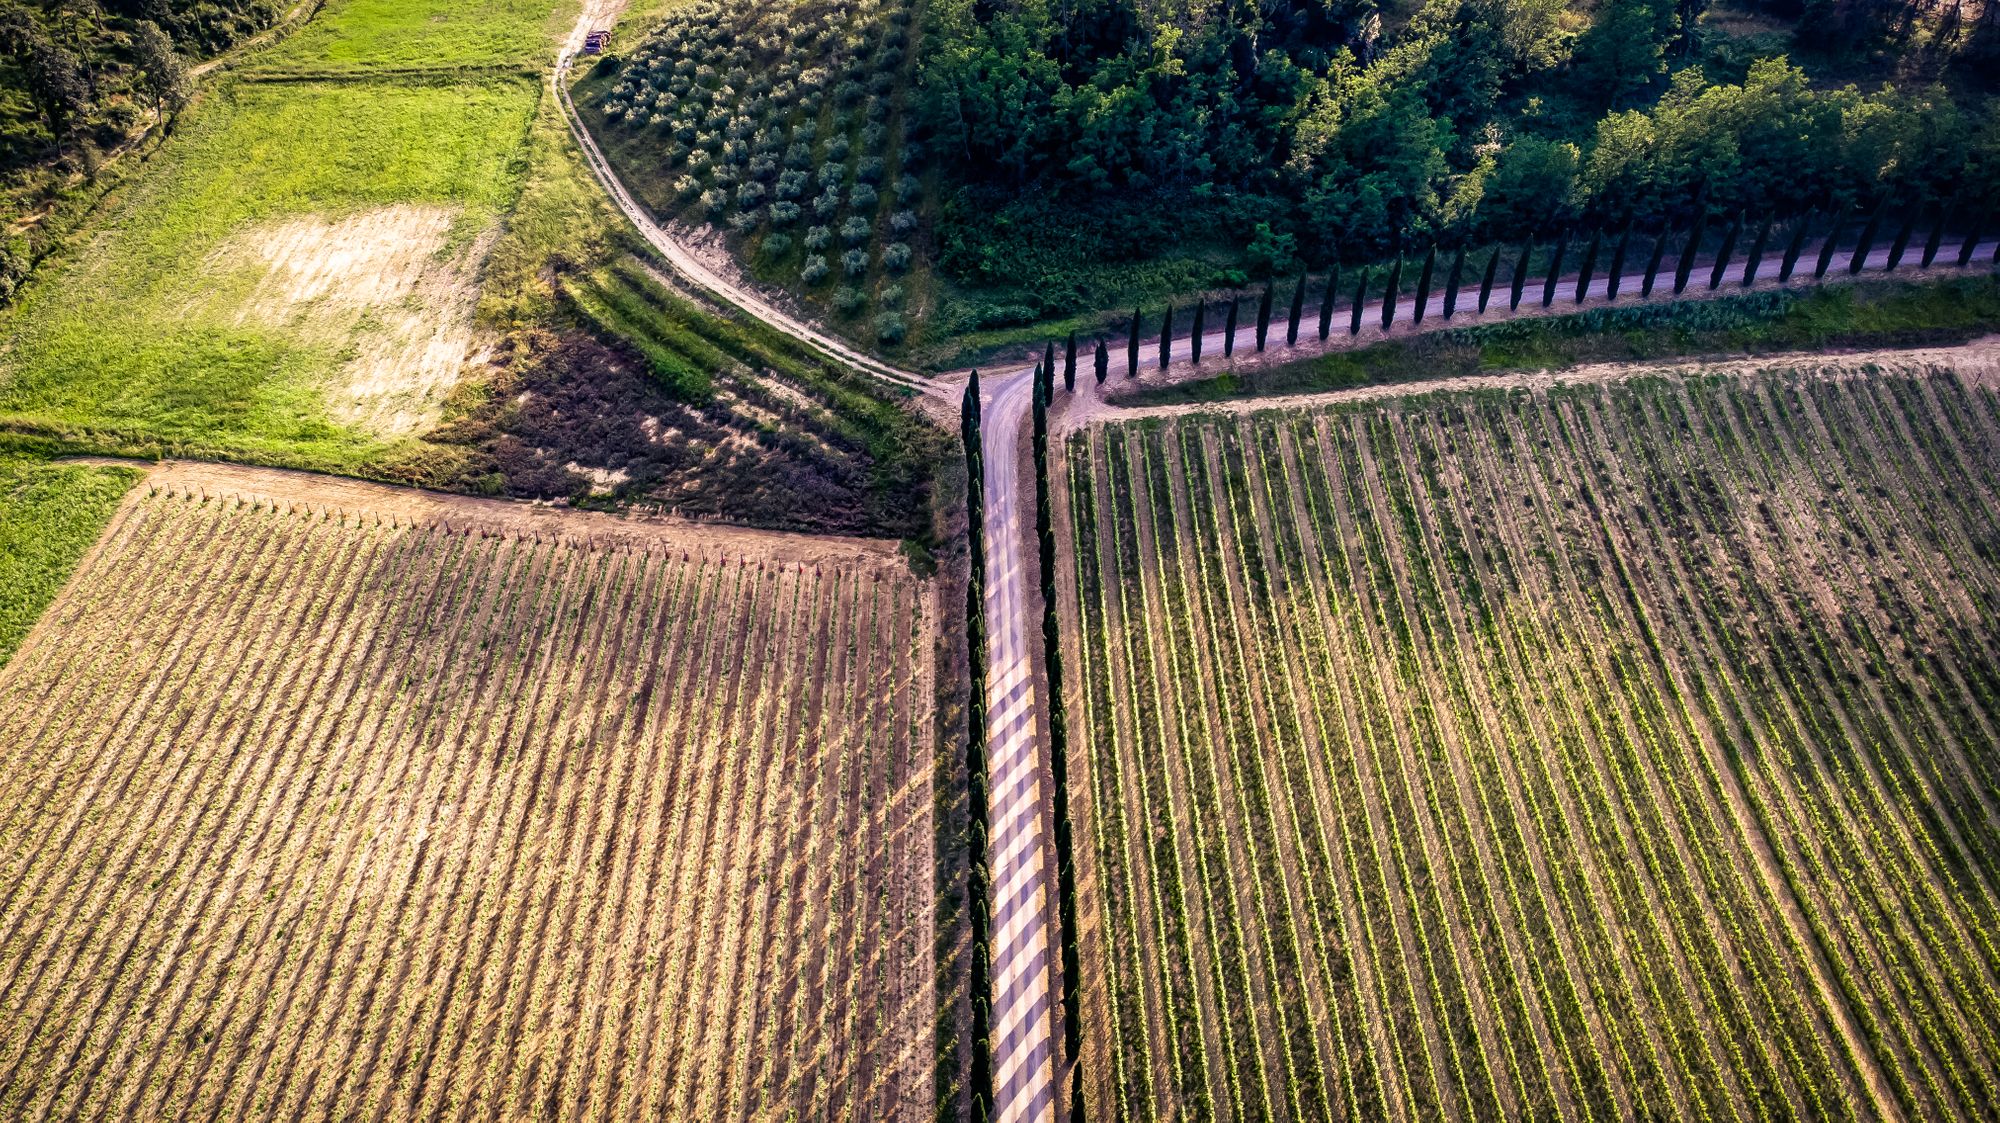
49	515
1891	314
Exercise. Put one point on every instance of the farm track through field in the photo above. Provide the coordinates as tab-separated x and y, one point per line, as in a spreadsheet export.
1668	784
374	814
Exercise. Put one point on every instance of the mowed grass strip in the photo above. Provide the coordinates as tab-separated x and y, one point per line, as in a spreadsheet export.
318	815
366	38
1616	750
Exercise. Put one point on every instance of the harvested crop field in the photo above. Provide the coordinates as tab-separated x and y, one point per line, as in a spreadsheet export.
1612	751
433	808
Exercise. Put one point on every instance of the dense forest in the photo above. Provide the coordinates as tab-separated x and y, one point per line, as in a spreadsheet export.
1314	130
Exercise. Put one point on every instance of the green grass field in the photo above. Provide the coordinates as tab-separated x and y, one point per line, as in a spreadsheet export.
49	515
376	36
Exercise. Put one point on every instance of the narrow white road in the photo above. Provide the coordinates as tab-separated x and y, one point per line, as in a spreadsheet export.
1024	1060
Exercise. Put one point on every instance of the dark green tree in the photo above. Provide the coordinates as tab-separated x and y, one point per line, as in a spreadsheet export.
1194	336
1391	292
1132	348
1904	233
1936	239
1327	299
1167	337
1832	242
1486	280
1069	364
1618	263
1858	260
1360	299
1298	311
1971	243
54	80
1691	250
1589	265
1555	270
1229	329
1520	276
1103	362
1653	263
1424	285
163	76
1263	318
1758	245
1721	266
1800	228
1451	283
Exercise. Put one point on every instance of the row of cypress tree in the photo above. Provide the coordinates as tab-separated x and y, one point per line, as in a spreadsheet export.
1628	239
979	876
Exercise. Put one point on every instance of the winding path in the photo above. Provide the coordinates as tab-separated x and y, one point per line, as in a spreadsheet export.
1023	1040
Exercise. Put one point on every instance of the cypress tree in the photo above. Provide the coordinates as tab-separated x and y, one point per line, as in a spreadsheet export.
1263	318
1901	244
1971	243
1618	263
1757	246
1048	369
1229	329
1076	1093
1693	247
1794	247
1390	293
1326	301
1589	264
1451	283
1936	239
1360	298
1858	260
1424	284
1167	337
1298	310
1200	325
1486	281
1659	255
1520	276
1132	348
1721	266
1103	362
1555	270
1069	364
1832	239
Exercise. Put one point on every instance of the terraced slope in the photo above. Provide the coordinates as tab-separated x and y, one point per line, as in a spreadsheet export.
1613	751
462	812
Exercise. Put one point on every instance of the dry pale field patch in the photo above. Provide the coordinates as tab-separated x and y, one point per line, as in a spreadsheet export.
1624	750
342	804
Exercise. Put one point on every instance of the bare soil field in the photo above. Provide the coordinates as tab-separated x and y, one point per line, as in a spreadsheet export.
1610	750
318	806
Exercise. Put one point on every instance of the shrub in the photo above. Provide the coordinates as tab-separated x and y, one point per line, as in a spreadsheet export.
902	222
837	148
907	189
799	155
743	222
775	247
763	167
818	238
687	187
854	262
869	170
791	185
848	92
828	203
847	300
814	270
864	197
891	296
856	230
714	202
833	173
896	256
784	214
890	328
750	194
